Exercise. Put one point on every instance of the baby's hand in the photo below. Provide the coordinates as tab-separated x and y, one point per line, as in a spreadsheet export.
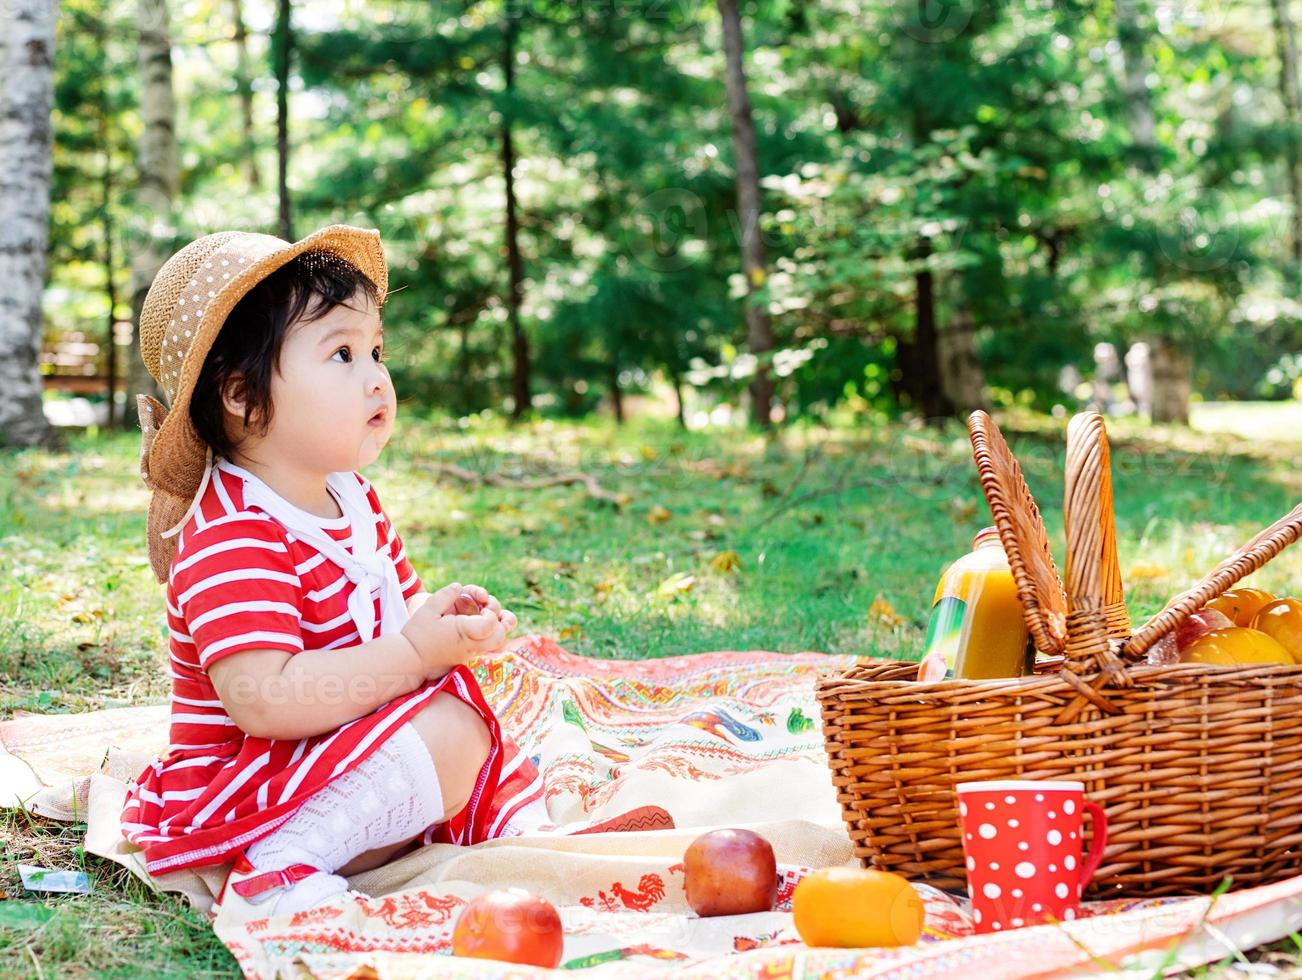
486	600
444	637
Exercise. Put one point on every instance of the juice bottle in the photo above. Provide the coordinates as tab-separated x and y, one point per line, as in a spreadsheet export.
976	628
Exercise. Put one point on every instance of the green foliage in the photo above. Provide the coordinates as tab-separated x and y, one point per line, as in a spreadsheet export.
993	149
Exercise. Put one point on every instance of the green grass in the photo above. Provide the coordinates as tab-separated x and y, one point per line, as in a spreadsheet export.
822	522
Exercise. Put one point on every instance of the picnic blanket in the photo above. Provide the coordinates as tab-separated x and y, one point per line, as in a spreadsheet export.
719	739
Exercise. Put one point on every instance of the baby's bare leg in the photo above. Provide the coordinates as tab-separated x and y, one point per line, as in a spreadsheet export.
458	742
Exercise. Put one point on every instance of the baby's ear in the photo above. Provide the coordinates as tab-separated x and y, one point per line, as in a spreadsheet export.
233	395
233	398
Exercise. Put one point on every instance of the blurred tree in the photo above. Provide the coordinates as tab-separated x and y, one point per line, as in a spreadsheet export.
94	164
244	88
1286	47
1171	365
521	400
282	49
759	331
955	201
155	234
26	101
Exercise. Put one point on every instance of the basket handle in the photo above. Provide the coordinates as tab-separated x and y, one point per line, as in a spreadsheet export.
1250	556
1090	458
1092	579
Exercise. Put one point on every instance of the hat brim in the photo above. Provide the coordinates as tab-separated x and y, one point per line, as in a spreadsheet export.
178	455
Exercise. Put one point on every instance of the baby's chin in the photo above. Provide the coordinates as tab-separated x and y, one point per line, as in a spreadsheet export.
370	452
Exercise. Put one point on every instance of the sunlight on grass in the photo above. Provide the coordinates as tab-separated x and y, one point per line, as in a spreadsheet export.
1259	421
821	523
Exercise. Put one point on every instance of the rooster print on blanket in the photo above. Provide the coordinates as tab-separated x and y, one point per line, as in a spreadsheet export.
650	889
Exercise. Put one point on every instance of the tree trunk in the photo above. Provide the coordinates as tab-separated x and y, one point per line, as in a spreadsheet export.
759	329
520	381
920	357
284	45
1172	384
464	330
917	359
110	289
26	101
679	400
962	379
244	87
158	176
1286	46
616	394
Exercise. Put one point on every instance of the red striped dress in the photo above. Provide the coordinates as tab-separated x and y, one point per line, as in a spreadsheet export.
241	581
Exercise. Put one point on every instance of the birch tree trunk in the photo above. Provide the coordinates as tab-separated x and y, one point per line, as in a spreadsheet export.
157	189
26	101
759	328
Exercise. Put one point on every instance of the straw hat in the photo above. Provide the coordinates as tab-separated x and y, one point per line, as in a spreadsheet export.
187	304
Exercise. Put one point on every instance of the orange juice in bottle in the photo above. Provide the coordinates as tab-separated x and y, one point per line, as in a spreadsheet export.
976	628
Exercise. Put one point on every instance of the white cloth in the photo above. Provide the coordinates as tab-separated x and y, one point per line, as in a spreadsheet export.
367	566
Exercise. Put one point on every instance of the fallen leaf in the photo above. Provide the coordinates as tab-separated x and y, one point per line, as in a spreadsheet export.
658	515
648	453
726	561
680	583
571	632
882	612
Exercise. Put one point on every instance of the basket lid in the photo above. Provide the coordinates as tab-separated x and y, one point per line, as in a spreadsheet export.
1021	529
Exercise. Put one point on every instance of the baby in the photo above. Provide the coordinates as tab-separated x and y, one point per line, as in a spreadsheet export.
323	718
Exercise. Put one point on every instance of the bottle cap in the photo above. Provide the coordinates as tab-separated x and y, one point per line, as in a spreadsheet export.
986	536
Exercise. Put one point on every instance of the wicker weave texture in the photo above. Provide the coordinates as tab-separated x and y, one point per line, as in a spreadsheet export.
1200	771
1022	532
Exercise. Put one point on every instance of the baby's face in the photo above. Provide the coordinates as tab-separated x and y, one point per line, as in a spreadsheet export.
333	401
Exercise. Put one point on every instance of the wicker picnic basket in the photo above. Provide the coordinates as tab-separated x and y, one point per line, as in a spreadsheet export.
1199	768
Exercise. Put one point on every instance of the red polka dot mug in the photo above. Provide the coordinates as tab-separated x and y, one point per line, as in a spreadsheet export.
1023	841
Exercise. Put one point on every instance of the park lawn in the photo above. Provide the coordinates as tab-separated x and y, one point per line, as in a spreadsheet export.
821	539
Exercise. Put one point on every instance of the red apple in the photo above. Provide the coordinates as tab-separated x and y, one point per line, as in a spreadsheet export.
1200	621
511	925
730	872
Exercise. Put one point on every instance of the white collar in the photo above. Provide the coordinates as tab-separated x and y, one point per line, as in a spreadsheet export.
302	518
368	566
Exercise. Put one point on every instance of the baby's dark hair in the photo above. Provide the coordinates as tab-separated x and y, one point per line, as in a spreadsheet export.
247	348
